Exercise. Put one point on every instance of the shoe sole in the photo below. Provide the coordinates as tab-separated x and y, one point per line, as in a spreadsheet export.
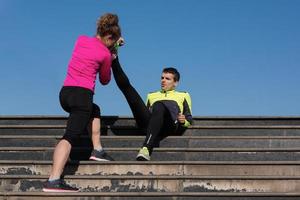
142	158
98	159
58	190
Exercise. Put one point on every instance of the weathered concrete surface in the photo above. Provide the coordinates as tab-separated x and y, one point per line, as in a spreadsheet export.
119	168
271	139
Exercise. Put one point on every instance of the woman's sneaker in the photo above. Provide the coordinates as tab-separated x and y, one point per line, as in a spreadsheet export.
143	154
58	186
100	156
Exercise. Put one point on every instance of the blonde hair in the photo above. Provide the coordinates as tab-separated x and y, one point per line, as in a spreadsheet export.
108	24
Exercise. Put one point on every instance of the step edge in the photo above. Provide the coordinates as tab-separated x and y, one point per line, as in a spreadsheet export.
191	194
6	136
160	149
157	177
38	162
135	128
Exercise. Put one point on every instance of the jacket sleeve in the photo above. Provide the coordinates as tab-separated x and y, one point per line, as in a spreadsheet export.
187	110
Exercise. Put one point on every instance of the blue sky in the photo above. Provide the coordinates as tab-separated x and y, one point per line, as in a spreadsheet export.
236	57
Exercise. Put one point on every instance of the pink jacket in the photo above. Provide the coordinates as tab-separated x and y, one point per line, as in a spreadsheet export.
89	57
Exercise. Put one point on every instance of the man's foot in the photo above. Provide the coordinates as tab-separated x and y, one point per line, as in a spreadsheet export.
58	186
143	154
100	156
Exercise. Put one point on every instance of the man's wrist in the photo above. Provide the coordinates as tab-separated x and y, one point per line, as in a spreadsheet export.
186	123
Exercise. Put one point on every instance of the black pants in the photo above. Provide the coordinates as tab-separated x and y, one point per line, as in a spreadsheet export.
160	122
153	124
78	102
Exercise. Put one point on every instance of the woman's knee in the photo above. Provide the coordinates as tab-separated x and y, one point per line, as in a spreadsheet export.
72	138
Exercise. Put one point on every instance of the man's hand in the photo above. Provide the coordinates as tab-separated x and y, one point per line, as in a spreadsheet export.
181	118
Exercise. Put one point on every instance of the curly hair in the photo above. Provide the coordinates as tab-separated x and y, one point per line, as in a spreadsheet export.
108	24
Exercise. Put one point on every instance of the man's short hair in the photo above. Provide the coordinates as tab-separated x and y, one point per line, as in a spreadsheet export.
173	71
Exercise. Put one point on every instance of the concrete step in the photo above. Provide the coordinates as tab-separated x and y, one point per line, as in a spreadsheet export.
171	141
154	183
216	158
272	130
126	120
197	168
161	154
149	196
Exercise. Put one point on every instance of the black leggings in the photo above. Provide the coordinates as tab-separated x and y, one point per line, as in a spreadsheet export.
151	123
78	102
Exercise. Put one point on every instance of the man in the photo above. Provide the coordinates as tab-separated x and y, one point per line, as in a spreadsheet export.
166	110
169	109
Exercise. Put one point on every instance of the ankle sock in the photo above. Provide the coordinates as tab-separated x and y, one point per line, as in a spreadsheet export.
52	180
100	149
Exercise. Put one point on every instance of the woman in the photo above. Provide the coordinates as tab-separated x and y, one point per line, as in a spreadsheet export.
91	56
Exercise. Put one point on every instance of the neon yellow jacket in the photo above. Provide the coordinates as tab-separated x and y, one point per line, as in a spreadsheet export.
176	102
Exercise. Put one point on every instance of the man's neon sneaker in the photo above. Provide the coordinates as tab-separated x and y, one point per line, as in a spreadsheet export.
143	154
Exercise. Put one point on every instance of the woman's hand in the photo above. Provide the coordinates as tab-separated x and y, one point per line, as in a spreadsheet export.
114	49
120	42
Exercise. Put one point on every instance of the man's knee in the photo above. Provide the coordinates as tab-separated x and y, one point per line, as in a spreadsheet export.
158	107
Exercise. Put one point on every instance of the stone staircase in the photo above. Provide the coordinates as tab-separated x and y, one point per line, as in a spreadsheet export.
217	158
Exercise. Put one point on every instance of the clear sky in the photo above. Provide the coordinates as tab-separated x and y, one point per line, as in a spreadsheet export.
236	57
